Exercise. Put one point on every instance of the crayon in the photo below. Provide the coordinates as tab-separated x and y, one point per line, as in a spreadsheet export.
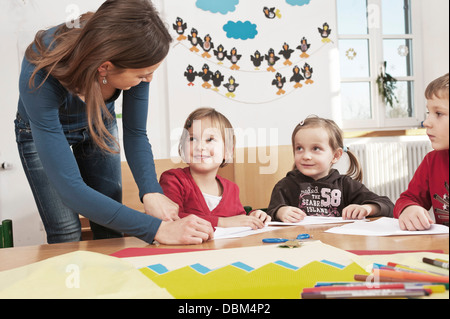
409	276
434	288
379	293
436	263
417	270
381	280
358	287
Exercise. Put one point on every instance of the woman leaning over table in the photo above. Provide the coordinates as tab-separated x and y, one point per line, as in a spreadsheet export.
67	133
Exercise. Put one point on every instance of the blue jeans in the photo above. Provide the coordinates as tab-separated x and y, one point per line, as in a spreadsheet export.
100	170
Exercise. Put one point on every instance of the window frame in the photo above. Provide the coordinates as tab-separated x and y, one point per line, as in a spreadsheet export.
375	38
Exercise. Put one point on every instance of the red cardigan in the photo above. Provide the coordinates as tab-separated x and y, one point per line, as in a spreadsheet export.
179	186
428	181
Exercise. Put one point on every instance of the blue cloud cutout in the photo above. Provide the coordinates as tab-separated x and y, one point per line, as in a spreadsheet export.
222	6
240	30
298	2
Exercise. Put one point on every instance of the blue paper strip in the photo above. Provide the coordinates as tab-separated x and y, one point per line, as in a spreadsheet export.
285	264
158	268
200	268
243	266
332	264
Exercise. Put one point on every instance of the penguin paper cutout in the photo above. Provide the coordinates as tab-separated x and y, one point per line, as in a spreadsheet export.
271	60
193	38
179	26
279	83
206	76
325	32
256	58
206	45
217	80
296	77
234	59
286	53
271	13
190	75
220	53
304	47
231	87
307	72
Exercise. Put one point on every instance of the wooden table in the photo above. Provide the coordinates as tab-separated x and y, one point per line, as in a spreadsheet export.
19	256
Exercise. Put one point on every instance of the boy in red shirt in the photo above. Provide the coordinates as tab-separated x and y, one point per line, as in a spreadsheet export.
429	186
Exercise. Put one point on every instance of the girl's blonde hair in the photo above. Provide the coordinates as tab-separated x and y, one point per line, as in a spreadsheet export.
128	33
336	141
219	121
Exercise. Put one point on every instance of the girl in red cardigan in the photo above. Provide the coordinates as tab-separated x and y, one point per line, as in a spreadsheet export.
207	143
429	185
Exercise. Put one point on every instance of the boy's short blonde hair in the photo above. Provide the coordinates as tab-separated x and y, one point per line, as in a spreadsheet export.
438	88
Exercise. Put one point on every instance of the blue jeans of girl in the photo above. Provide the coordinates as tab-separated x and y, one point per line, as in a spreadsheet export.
100	170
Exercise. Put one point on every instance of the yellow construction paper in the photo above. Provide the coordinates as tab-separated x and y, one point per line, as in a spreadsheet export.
79	274
270	281
263	274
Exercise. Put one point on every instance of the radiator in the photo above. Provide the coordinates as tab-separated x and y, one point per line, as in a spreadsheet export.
389	166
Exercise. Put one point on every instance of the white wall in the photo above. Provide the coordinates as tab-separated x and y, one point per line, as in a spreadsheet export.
435	37
256	104
19	21
172	100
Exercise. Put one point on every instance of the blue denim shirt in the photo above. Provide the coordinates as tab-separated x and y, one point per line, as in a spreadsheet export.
51	110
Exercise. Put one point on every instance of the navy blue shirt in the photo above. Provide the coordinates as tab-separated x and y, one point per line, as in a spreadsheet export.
50	110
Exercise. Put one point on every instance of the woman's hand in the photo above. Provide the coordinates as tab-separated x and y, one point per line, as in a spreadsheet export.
186	231
160	206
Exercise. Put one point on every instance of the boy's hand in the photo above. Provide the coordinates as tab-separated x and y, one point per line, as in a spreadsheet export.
415	218
289	214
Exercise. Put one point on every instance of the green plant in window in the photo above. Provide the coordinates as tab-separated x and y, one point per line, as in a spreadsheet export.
386	86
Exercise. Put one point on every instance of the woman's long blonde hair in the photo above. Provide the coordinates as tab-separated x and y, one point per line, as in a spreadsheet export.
128	33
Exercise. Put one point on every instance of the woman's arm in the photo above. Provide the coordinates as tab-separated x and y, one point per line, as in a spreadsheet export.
42	108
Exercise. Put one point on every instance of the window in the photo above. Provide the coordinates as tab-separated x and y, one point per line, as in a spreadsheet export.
370	33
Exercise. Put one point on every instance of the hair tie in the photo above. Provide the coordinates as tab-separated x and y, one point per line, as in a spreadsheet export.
345	149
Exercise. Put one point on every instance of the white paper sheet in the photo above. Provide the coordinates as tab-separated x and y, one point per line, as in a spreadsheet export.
314	220
383	227
236	232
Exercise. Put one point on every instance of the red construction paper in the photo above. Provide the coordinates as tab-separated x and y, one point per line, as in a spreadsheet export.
143	251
